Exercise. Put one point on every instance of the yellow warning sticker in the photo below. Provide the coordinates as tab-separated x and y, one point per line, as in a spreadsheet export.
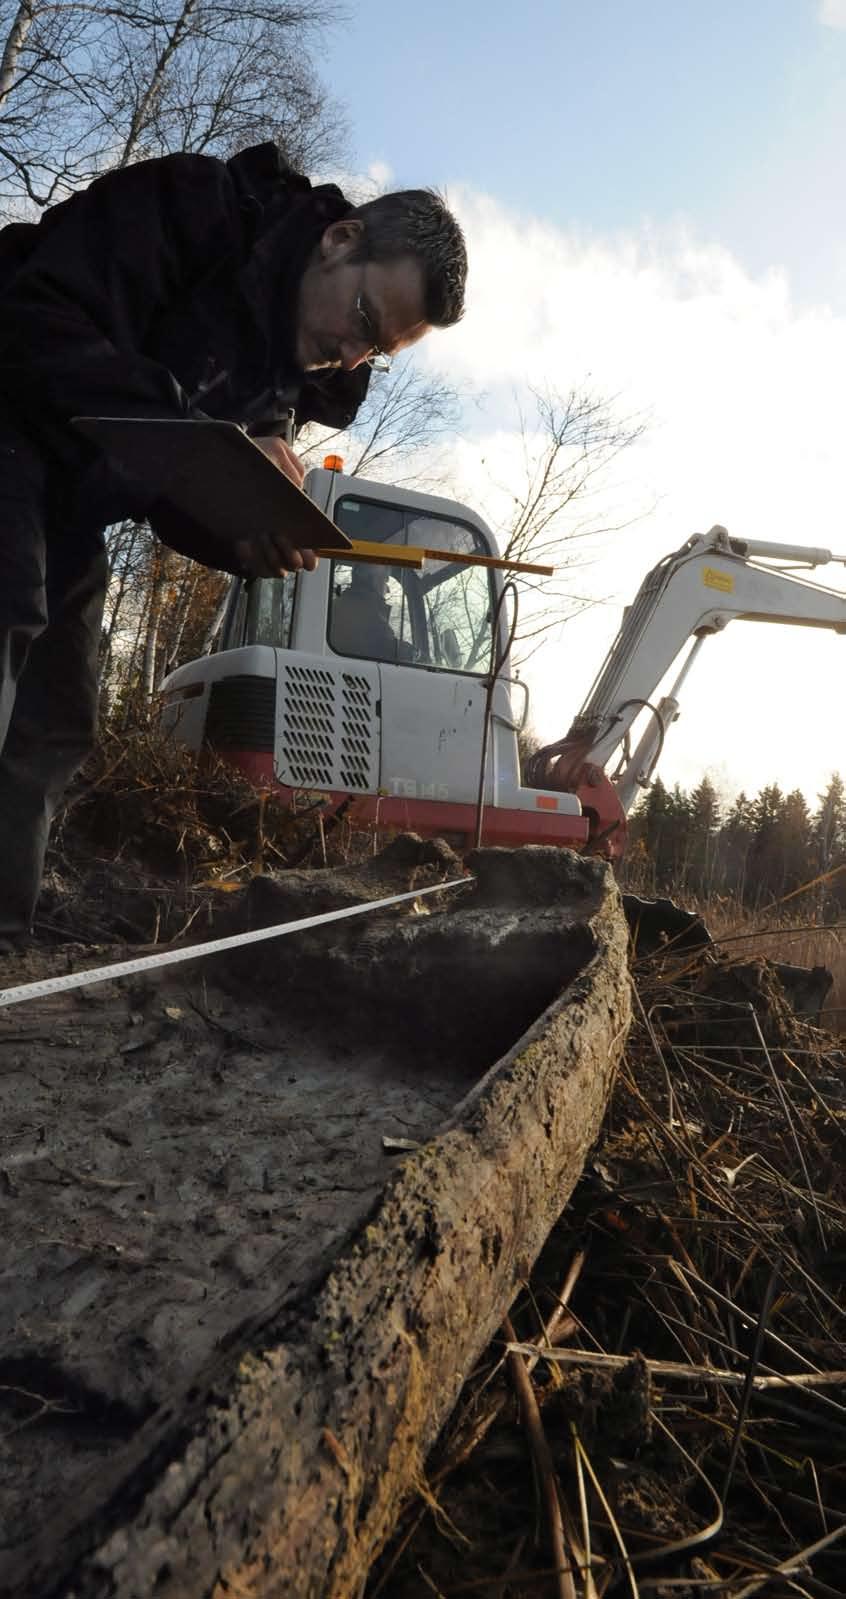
718	580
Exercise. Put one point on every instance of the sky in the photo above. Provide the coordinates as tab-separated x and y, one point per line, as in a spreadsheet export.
654	204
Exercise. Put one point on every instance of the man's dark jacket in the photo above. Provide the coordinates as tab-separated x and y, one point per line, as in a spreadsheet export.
165	289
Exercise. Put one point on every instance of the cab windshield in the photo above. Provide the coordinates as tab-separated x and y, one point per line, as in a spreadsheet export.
438	618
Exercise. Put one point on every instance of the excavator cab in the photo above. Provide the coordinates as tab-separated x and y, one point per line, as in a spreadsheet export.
439	618
370	683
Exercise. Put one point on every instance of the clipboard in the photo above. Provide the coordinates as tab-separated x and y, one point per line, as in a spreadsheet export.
215	473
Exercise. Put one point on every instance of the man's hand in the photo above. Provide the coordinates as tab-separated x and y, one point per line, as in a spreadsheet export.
272	553
284	457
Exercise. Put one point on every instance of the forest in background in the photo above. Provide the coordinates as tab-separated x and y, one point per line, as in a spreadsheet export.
759	852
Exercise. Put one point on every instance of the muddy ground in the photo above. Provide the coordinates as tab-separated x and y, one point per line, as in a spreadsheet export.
155	1166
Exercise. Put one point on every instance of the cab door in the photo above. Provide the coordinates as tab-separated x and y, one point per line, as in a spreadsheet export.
433	705
430	632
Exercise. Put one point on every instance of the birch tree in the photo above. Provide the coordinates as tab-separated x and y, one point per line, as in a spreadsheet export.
85	88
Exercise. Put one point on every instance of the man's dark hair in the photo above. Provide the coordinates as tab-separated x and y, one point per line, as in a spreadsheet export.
417	222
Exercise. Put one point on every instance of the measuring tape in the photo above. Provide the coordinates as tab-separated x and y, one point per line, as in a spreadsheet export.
169	957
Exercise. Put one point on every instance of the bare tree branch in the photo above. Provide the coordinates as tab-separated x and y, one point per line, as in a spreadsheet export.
145	105
406	416
567	454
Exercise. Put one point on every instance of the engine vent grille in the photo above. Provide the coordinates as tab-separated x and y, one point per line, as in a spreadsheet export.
241	712
328	730
356	752
308	725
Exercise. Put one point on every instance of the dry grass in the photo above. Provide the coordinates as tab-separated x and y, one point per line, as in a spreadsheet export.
151	835
779	935
709	1233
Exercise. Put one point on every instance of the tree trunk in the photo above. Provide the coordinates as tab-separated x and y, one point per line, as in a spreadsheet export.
15	41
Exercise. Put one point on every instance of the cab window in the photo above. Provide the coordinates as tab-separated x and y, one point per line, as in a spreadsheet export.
261	612
438	618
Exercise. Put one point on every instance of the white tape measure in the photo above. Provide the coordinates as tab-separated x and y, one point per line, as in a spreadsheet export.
169	957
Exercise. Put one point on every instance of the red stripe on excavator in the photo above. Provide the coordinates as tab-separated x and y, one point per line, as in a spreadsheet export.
500	825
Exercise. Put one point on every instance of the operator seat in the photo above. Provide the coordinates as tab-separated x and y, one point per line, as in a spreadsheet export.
359	622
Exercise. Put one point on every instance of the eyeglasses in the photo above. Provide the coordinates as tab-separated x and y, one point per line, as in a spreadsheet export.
376	359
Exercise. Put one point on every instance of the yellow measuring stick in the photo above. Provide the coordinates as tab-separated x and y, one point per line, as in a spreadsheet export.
385	554
413	556
498	561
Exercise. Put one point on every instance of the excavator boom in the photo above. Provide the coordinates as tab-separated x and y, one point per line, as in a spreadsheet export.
690	595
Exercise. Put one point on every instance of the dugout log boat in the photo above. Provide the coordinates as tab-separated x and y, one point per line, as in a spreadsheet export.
258	1219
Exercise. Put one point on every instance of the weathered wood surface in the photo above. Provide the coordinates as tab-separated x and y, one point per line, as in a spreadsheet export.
280	1467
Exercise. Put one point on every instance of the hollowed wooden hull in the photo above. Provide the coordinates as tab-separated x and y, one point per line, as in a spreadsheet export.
255	1401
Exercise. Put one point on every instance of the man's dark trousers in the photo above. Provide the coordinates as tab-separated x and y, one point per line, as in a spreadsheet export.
53	575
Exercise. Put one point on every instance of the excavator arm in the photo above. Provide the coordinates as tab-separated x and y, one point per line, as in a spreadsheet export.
690	595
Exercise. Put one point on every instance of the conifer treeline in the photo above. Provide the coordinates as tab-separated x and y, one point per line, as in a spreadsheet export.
755	850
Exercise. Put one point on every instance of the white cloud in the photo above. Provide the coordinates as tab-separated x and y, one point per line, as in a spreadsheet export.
359	186
381	175
832	13
748	428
